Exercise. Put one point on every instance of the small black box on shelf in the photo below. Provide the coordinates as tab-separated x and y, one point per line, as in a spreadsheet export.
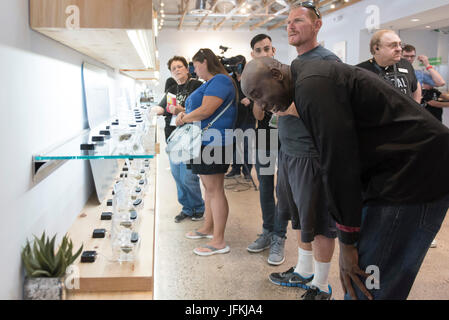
109	203
87	146
97	138
105	132
99	233
88	256
106	216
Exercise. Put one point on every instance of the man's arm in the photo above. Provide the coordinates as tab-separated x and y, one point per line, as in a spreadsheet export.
417	95
291	111
438	104
436	77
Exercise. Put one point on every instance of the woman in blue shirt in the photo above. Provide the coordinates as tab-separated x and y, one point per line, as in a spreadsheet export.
202	106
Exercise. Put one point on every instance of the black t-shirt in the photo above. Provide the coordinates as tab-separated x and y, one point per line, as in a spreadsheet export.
401	75
245	115
375	145
432	94
181	92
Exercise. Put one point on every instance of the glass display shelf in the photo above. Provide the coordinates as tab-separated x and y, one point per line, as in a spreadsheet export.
123	137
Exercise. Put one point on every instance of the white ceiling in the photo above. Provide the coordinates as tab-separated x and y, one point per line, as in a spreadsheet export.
428	20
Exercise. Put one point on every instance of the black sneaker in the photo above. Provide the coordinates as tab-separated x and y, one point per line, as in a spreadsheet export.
290	278
313	293
181	217
198	216
232	174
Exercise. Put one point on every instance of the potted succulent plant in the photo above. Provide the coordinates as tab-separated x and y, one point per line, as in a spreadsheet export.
45	267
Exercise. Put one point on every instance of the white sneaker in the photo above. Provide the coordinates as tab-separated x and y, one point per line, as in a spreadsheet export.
433	244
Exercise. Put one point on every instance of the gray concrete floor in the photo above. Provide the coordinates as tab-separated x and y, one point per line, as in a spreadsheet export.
240	275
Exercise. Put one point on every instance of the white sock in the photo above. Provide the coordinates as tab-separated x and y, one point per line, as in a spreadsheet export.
320	279
304	267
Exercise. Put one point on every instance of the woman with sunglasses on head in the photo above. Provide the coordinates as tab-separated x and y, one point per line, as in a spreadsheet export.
216	95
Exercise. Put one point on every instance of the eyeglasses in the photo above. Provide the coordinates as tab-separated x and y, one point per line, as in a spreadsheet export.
310	5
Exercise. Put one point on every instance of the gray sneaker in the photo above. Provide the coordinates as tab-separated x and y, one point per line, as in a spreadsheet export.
276	256
262	243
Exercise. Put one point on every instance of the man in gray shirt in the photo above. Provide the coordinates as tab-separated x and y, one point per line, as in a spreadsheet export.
299	188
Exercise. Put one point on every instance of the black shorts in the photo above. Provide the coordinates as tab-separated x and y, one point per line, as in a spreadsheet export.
212	161
301	197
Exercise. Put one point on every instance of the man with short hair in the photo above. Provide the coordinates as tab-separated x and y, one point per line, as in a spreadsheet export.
299	189
383	162
432	99
273	228
387	62
430	76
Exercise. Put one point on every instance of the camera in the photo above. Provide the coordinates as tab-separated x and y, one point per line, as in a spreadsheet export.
233	64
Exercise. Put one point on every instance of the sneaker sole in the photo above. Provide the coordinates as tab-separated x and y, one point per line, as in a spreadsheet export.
288	284
258	250
276	263
197	219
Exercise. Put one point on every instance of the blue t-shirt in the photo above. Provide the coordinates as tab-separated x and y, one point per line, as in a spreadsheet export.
220	86
424	77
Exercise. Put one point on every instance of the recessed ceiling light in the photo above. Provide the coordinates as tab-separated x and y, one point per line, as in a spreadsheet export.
332	6
415	20
428	27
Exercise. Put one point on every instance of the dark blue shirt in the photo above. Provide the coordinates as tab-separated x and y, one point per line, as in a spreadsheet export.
220	86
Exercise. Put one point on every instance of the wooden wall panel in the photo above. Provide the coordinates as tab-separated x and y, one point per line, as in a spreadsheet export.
107	14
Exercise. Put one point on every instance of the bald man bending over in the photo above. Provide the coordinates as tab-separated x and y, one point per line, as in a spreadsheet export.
383	163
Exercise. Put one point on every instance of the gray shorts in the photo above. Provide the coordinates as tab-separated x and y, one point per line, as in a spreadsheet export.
301	197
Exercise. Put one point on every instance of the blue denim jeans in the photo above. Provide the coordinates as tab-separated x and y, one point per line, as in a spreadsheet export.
395	238
271	220
188	188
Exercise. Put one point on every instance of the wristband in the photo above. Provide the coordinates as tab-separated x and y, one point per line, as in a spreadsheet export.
429	67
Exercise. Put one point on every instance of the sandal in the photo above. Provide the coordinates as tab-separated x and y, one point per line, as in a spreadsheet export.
212	252
198	235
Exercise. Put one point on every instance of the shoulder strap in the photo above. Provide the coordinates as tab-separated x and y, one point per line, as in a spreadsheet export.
218	116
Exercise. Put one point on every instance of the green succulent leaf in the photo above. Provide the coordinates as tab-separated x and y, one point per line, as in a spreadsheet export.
41	273
41	260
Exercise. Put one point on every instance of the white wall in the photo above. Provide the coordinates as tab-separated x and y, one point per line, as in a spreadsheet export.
186	43
40	105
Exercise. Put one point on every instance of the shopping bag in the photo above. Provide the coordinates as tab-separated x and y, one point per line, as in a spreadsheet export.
184	144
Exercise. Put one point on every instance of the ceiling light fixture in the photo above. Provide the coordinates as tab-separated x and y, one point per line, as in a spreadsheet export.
415	20
200	8
140	41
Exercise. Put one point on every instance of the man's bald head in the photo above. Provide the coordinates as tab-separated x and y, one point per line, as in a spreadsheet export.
268	82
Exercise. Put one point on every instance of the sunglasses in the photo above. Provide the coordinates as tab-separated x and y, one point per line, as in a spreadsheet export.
310	5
